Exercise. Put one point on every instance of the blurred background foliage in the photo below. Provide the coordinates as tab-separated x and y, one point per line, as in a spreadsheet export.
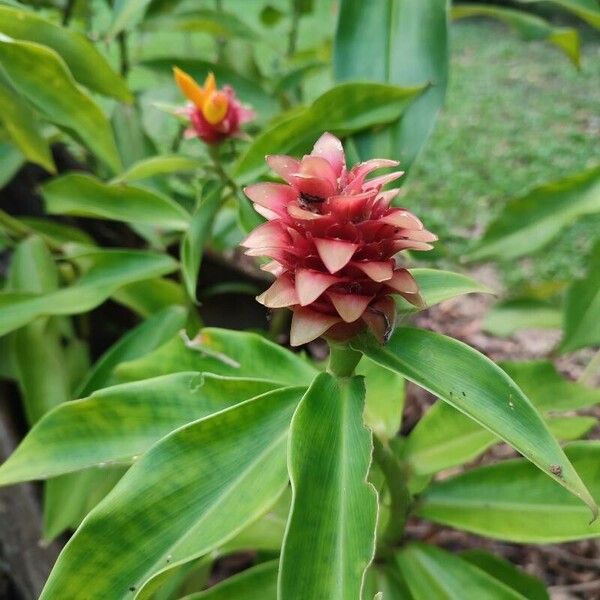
107	212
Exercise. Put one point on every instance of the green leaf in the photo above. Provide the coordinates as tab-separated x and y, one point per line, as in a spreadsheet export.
88	66
582	307
118	423
165	164
85	196
571	428
11	161
473	384
36	349
218	23
270	16
385	582
196	488
43	78
446	438
549	390
32	268
527	585
529	222
148	296
506	318
133	142
384	398
530	27
266	534
513	501
23	128
224	352
108	271
38	358
437	286
401	42
141	340
256	583
344	109
126	15
196	237
60	233
587	10
427	568
330	537
69	498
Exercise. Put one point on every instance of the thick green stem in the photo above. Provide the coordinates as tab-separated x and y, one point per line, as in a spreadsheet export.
223	175
396	477
342	360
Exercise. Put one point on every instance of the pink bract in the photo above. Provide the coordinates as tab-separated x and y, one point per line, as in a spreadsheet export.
332	237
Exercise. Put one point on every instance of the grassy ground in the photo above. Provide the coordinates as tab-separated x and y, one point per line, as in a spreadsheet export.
517	114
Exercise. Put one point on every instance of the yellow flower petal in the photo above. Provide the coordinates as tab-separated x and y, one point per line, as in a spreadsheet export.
215	107
210	85
191	90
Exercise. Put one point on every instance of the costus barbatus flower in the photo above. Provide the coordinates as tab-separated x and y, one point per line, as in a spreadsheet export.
214	114
332	237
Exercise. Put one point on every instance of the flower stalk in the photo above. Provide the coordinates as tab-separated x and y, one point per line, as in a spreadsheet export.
396	477
342	360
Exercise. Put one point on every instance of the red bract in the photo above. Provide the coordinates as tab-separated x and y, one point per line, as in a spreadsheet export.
332	237
215	114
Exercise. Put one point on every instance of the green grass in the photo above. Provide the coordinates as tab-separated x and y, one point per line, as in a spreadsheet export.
517	114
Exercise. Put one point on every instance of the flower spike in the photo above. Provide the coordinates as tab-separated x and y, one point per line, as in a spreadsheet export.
333	235
214	114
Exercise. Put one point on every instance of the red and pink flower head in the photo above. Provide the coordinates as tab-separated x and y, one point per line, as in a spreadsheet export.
332	236
215	114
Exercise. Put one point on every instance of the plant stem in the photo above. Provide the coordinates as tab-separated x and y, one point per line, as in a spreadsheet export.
396	476
279	323
68	12
123	53
293	42
342	360
221	41
178	139
223	175
293	35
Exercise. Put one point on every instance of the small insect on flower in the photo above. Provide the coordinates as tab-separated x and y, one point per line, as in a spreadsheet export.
332	236
215	114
